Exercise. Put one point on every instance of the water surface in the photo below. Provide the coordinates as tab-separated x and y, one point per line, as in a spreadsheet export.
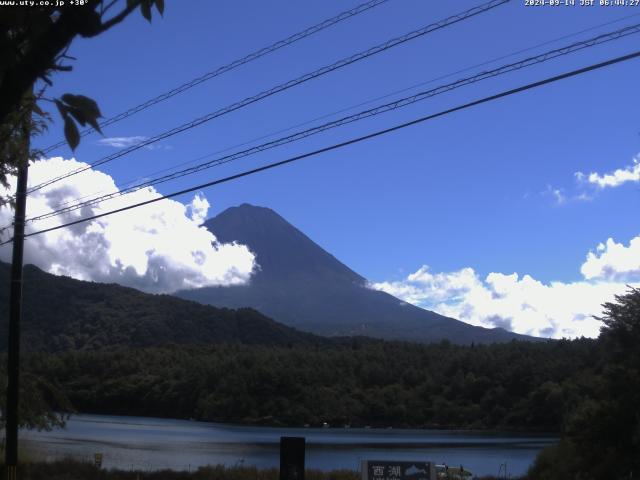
153	443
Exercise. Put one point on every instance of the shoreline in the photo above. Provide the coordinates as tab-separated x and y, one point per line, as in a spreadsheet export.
352	427
148	442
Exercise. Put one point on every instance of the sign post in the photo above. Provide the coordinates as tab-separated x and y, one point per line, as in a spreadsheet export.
397	470
292	458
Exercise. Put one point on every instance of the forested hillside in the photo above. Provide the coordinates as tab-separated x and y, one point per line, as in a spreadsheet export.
515	386
61	313
113	350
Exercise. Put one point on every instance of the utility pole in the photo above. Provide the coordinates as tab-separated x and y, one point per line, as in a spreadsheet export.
15	306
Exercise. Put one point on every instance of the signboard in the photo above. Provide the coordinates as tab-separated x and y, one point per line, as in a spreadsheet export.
400	470
97	459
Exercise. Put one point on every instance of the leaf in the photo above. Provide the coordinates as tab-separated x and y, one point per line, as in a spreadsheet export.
68	98
84	109
71	132
78	115
87	105
160	6
61	108
145	8
94	123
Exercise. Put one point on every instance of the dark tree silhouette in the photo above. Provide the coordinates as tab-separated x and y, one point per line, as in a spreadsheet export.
601	437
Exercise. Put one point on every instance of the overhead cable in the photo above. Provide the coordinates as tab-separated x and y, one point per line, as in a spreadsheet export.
352	141
284	86
396	104
228	67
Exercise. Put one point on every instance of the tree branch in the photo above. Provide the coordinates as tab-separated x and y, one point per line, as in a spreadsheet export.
106	8
116	19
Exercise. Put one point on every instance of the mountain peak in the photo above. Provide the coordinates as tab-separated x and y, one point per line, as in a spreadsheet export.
245	213
281	250
301	285
251	209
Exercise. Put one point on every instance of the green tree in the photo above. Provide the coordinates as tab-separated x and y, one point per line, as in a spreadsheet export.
621	325
601	438
45	405
34	41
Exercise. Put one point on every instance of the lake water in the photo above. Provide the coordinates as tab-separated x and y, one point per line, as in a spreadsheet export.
152	444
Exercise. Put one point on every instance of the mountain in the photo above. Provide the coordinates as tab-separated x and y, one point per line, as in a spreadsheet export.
303	286
60	313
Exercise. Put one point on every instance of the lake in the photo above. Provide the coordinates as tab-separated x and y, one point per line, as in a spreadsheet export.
153	443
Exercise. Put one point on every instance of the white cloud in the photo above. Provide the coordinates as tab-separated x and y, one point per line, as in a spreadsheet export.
521	303
198	208
560	198
556	194
613	261
125	142
156	248
121	142
588	186
615	179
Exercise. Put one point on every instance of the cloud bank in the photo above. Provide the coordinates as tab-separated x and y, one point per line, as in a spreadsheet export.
158	248
521	303
613	261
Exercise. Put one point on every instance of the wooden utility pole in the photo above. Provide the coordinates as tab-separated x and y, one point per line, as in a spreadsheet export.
15	308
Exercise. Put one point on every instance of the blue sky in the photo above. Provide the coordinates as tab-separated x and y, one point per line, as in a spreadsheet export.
493	188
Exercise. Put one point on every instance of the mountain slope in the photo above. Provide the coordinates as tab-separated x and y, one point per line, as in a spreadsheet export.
303	286
61	313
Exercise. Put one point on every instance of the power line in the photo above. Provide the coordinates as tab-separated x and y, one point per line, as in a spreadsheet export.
367	102
395	92
402	102
133	181
304	78
367	113
466	69
352	141
285	86
231	66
